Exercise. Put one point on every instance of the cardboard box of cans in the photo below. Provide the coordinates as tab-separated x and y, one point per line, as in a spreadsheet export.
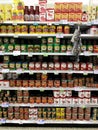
69	11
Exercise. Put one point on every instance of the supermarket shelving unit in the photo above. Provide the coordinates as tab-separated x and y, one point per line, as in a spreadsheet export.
30	54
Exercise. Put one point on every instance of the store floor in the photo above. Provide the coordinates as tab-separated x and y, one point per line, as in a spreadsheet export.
46	128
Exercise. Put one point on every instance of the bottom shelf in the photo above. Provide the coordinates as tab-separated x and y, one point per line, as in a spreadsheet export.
49	122
42	122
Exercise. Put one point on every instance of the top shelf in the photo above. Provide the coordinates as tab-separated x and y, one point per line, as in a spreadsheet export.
50	23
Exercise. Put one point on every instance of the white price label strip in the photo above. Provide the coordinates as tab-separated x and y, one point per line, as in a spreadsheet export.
5	70
16	53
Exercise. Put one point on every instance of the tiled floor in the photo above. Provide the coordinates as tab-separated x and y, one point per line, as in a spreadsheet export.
45	128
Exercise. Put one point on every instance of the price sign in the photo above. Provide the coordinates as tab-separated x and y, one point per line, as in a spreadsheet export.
16	53
15	36
40	122
5	70
49	23
14	23
70	72
56	73
31	72
44	72
89	24
85	73
30	54
71	23
19	71
1	53
5	105
41	90
95	71
20	122
64	22
35	23
59	36
3	121
45	54
87	53
39	36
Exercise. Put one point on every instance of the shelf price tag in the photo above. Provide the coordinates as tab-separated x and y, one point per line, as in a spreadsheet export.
71	23
31	105
85	73
40	122
15	36
1	53
41	89
56	73
39	36
14	23
19	71
20	122
2	121
44	72
49	23
45	54
56	23
95	71
5	70
77	89
35	23
59	35
64	22
89	24
87	53
30	54
5	105
70	72
61	90
16	53
31	72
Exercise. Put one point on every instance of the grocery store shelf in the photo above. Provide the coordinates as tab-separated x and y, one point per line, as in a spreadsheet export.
46	71
62	22
46	53
47	35
51	122
47	88
5	105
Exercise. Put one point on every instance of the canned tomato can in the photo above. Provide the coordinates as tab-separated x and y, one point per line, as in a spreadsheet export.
81	94
56	100
81	116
